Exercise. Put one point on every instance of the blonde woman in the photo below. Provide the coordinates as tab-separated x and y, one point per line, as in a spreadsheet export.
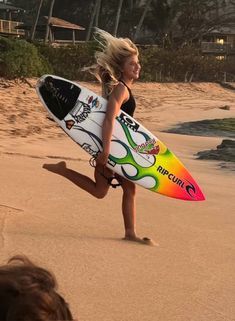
117	67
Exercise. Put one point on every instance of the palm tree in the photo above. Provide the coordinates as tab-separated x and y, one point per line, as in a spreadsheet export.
49	18
94	14
117	18
139	26
97	13
36	20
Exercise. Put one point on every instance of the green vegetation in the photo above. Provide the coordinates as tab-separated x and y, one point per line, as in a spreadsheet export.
183	64
18	58
223	152
226	125
178	22
210	127
158	64
68	61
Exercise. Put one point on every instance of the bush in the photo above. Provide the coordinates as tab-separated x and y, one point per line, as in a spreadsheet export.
183	64
18	58
68	61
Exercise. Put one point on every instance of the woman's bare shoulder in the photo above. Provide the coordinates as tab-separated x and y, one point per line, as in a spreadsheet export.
120	92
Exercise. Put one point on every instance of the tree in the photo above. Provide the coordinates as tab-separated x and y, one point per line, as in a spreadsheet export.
179	21
117	18
49	18
157	19
92	20
139	26
97	13
36	20
190	20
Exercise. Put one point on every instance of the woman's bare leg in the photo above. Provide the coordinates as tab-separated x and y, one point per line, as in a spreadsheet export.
129	213
129	208
98	188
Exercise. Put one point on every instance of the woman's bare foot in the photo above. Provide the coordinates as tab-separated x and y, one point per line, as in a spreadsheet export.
144	240
55	168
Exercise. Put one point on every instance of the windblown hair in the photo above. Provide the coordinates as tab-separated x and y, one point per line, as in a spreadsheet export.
110	58
28	293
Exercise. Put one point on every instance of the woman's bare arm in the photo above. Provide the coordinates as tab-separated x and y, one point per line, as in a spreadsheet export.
116	99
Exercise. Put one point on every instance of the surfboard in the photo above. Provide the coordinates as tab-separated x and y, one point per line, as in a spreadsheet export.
136	153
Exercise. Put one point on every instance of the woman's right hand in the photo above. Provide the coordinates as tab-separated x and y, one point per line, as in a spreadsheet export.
102	158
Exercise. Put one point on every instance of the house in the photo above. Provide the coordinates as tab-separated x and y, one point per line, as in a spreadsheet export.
9	20
219	42
60	31
12	26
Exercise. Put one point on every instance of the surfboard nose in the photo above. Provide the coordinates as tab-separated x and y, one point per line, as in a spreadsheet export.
200	196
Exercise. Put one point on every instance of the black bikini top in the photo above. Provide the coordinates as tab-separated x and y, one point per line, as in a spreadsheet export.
129	105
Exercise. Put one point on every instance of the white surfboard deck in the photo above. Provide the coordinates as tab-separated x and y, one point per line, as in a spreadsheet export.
135	154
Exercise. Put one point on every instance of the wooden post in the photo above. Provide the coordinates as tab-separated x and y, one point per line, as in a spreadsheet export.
51	35
74	37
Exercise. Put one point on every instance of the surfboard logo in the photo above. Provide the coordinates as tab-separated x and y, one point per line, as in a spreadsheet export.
69	123
80	112
149	147
190	188
94	102
88	149
111	162
129	122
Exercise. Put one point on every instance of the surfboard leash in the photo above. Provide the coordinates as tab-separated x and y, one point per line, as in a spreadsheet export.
110	179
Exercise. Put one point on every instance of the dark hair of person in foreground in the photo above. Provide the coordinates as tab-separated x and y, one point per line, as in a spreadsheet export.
29	293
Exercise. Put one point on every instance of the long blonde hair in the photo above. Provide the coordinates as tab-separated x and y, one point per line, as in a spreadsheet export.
110	58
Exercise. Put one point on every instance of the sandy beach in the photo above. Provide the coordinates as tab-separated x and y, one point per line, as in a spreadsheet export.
190	276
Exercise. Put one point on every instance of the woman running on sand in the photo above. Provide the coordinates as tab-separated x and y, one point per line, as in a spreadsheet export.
117	66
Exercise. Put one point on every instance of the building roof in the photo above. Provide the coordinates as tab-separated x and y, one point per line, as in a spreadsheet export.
54	22
223	30
7	7
59	23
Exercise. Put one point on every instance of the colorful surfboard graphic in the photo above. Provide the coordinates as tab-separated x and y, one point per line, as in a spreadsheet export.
136	153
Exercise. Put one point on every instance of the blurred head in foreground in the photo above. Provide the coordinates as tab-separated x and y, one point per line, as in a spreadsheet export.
29	293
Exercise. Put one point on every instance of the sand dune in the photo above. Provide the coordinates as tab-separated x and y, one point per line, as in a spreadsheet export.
189	276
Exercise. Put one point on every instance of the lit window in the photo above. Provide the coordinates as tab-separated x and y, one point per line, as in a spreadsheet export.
220	57
220	41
